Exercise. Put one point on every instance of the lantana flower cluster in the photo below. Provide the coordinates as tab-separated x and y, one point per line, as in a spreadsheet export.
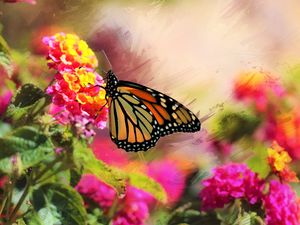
257	88
237	181
230	182
281	118
76	89
279	160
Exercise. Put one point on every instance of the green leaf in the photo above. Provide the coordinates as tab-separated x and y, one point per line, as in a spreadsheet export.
84	158
229	215
28	144
4	128
147	184
5	59
258	163
28	101
58	204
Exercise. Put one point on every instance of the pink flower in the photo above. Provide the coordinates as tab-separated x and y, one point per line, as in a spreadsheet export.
105	150
230	182
258	88
166	173
97	191
135	210
284	128
134	213
68	51
4	101
281	205
76	87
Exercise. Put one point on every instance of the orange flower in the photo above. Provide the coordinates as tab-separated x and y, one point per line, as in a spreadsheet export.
278	159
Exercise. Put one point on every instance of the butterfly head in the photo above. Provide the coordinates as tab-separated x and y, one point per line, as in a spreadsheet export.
112	82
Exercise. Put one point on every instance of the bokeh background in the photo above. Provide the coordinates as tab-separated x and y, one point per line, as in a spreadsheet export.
191	50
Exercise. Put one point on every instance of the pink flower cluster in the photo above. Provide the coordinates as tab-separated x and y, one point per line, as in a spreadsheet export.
257	88
4	101
236	181
285	129
132	210
230	182
169	176
281	205
76	89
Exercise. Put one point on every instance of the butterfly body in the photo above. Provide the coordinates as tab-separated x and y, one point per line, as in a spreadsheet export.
139	116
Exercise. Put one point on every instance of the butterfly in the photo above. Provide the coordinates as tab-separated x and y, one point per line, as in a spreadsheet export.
139	116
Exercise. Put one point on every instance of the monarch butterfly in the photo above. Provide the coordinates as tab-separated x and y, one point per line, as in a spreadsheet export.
139	116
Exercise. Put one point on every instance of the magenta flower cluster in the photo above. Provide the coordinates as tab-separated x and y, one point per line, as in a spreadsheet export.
131	210
281	205
228	183
237	181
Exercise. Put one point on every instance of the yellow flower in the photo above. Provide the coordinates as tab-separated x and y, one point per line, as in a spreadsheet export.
278	159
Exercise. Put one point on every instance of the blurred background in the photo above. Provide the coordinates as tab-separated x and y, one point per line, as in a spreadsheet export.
191	50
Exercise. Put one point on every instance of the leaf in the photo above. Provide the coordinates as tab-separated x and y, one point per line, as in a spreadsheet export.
258	163
58	204
4	128
5	59
28	101
28	144
248	218
147	184
84	158
229	214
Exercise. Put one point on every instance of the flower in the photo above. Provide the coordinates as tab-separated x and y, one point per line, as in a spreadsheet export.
4	101
105	150
96	190
166	173
135	210
278	159
76	88
281	205
258	88
287	131
230	182
68	51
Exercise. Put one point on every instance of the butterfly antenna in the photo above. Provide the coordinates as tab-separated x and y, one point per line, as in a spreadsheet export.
107	62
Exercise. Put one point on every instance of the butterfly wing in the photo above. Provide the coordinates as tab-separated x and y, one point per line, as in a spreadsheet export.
139	116
132	126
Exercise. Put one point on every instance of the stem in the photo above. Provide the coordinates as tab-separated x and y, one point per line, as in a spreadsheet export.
11	183
3	204
20	202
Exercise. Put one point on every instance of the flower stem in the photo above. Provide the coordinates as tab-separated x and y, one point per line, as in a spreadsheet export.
20	202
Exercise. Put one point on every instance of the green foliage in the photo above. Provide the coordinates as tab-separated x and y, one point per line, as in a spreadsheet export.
56	204
235	214
5	59
84	158
258	163
147	184
233	125
27	145
27	103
